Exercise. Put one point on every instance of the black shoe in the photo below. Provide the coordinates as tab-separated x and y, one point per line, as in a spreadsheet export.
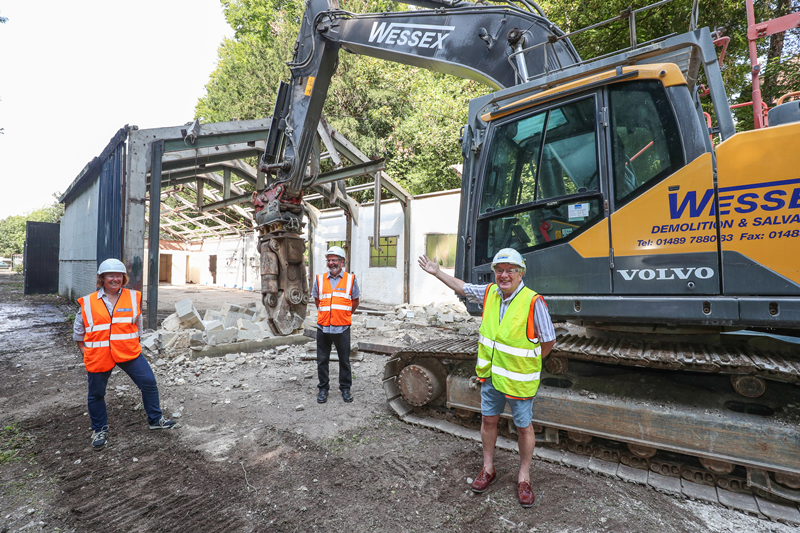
322	397
346	396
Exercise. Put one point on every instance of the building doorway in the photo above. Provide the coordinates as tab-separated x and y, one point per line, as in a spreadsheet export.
212	268
165	268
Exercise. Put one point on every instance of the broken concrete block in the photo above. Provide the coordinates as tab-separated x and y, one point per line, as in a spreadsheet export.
248	335
266	330
197	339
222	336
150	341
188	315
261	311
180	341
214	325
229	309
374	323
171	323
445	318
411	339
247	324
213	315
165	337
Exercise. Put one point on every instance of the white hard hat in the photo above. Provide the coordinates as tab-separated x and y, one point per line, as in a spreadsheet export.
510	256
111	265
335	250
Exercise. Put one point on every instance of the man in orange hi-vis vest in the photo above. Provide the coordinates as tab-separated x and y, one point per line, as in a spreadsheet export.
336	295
107	332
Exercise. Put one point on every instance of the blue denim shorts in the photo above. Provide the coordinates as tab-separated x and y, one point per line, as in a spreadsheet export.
493	403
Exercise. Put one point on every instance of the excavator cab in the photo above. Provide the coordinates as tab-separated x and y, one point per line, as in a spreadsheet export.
551	175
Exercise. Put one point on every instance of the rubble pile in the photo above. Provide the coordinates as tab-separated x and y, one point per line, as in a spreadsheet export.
405	317
184	329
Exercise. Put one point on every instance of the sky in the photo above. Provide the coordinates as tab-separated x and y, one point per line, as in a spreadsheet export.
73	73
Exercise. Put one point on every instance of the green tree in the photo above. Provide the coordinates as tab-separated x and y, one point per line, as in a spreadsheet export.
409	116
779	54
12	229
412	117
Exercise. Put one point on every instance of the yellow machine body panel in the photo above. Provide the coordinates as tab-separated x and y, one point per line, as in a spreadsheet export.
593	242
758	178
661	220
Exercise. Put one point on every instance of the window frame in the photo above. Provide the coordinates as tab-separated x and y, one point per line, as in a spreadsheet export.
600	100
615	203
554	200
372	251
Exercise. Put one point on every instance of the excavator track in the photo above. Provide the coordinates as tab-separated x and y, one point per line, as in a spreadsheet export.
748	366
735	359
728	469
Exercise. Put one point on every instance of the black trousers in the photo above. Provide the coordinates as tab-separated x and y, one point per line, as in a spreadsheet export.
342	343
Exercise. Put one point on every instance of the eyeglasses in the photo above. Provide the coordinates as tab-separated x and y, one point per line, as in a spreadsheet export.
510	271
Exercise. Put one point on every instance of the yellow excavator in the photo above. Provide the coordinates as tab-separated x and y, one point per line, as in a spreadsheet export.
671	261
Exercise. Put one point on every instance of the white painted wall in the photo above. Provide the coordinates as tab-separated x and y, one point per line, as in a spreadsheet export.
77	256
237	263
429	214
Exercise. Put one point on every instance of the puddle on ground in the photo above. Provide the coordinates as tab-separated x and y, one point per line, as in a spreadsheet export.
15	317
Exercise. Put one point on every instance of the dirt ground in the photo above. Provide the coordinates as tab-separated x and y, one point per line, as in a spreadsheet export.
253	451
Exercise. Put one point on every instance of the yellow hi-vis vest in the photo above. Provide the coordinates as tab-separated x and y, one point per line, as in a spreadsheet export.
505	353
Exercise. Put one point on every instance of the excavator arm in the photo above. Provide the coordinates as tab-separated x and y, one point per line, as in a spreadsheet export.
487	43
465	40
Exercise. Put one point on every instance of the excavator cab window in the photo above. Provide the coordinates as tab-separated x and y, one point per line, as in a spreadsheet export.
645	139
541	183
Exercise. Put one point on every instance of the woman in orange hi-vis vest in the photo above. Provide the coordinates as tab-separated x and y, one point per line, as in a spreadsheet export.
107	332
336	295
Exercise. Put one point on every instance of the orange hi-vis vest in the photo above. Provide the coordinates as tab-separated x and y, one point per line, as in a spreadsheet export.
110	339
335	303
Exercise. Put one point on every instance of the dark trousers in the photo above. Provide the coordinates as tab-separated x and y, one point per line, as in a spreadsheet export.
342	343
142	375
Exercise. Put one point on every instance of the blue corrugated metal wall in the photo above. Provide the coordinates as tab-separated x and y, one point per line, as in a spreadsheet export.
109	214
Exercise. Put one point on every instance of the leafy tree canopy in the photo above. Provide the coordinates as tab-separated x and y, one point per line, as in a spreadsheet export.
412	117
12	229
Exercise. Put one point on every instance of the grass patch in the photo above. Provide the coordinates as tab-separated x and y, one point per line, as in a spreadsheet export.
12	439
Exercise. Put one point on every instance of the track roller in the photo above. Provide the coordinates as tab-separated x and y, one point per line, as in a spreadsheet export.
643	452
422	381
556	365
748	386
718	467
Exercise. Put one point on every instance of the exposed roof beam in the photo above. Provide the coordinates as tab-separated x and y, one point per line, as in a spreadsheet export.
217	139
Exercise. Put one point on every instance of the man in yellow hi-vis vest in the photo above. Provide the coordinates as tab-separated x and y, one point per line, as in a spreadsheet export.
515	335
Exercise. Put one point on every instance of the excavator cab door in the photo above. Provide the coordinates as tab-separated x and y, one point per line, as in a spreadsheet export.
664	228
542	186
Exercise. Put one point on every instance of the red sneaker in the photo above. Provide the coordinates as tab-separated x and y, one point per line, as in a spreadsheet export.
525	493
483	481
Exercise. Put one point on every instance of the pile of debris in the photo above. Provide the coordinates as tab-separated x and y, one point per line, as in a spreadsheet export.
394	323
185	330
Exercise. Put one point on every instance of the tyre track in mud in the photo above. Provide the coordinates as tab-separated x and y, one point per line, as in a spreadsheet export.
169	488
